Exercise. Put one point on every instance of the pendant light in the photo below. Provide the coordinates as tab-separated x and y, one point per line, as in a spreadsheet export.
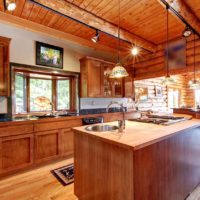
194	84
168	79
118	71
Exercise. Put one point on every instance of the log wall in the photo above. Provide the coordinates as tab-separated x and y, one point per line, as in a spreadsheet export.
161	103
153	64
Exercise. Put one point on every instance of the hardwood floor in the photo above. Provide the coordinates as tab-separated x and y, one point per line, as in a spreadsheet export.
195	195
40	184
37	184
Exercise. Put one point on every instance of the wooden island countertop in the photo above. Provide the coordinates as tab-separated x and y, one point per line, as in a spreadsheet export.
138	135
145	162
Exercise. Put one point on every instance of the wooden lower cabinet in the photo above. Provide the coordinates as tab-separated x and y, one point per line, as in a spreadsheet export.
66	142
53	144
46	145
16	152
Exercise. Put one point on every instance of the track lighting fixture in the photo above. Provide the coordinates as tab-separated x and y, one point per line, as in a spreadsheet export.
9	5
95	39
187	32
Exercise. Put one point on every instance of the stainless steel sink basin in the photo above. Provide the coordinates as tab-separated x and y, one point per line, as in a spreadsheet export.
101	128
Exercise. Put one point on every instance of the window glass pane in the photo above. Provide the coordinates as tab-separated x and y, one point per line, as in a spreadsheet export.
197	97
63	94
173	98
20	93
40	88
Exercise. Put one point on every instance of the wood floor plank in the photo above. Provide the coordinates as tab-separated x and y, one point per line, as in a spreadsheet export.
37	184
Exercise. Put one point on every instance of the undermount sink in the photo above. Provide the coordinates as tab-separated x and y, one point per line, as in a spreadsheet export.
101	128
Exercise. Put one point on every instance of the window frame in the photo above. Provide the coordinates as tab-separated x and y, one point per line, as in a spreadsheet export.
72	77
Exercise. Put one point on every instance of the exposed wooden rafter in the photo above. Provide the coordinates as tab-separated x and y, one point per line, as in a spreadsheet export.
35	27
185	13
89	19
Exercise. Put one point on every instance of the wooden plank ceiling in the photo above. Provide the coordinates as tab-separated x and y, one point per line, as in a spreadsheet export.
194	5
145	18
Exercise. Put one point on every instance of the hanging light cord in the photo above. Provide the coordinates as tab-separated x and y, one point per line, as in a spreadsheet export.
118	58
194	59
167	45
4	4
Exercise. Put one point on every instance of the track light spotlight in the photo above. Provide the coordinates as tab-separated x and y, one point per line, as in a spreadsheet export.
187	32
95	39
9	5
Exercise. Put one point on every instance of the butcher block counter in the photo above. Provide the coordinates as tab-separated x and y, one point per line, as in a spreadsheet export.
145	162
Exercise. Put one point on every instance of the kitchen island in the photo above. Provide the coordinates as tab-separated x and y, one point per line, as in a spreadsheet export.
145	162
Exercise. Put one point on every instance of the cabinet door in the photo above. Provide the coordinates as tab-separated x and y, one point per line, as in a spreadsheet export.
16	152
128	87
117	88
4	67
67	142
46	145
95	79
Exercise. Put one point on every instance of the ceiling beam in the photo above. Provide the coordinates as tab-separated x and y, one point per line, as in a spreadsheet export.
180	9
38	28
80	15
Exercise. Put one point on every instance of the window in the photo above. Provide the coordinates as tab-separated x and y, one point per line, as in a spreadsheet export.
173	98
29	87
20	93
197	97
40	88
63	94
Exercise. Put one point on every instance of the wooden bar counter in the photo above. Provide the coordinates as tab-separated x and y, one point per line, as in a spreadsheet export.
145	162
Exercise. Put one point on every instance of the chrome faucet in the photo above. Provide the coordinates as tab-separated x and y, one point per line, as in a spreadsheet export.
121	123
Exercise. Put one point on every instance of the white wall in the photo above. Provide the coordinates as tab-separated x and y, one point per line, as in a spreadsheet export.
22	49
93	103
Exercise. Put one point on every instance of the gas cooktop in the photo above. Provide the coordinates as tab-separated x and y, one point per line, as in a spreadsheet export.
160	120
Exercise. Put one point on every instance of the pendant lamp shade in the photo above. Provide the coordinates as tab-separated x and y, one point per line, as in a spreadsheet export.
168	80
194	84
118	71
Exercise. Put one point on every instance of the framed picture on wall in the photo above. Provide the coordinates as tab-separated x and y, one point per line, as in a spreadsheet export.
158	91
141	94
49	55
